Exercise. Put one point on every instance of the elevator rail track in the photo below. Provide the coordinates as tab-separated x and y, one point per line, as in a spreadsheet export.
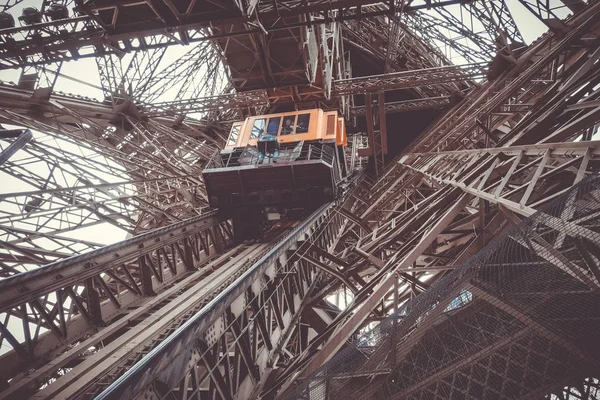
137	378
171	313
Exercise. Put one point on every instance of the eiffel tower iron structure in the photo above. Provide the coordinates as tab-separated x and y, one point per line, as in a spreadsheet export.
462	260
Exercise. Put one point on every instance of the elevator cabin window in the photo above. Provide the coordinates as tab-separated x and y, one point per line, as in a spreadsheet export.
273	126
303	121
258	128
288	124
331	122
235	131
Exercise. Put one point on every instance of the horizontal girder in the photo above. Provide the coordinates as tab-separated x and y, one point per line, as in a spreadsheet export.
97	30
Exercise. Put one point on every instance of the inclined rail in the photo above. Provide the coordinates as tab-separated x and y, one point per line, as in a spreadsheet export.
85	302
169	311
137	378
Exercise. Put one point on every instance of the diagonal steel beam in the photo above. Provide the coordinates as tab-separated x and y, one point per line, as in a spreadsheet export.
22	137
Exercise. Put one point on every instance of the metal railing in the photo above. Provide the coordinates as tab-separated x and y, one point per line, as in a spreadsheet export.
286	154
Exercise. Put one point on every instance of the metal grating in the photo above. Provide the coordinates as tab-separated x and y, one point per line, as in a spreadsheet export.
517	320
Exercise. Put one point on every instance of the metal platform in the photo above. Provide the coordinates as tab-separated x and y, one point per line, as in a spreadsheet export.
299	176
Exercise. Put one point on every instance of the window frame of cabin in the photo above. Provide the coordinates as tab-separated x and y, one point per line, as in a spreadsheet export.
264	128
294	117
237	125
280	118
308	115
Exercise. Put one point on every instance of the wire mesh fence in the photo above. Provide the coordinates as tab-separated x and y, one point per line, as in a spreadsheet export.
520	319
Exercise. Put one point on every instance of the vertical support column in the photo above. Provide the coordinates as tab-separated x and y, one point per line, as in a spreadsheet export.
218	239
396	304
93	302
188	256
26	329
482	211
371	130
382	123
146	275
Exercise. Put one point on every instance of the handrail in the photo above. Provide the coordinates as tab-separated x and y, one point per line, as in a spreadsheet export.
138	376
250	156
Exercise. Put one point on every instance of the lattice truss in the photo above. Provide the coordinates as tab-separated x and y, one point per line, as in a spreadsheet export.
499	326
256	316
403	194
135	181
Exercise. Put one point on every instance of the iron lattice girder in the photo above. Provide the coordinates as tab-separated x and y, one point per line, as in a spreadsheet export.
68	109
139	153
500	107
211	103
438	210
201	57
159	316
370	37
73	208
97	117
353	86
133	181
476	171
518	285
87	35
546	11
375	242
21	138
133	79
409	79
496	104
543	162
414	192
90	290
499	15
37	283
455	30
407	105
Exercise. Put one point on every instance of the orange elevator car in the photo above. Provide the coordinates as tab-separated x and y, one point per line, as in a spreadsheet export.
272	164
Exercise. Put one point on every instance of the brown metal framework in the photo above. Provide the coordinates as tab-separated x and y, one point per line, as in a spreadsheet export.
177	310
